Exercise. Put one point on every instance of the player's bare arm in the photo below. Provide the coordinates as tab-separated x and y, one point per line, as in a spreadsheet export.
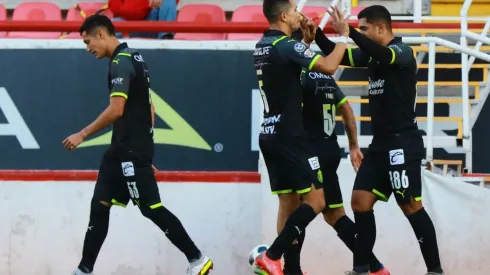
106	118
349	121
331	62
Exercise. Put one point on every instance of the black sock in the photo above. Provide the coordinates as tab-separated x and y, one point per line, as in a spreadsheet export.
426	235
292	256
346	230
366	237
98	227
173	229
295	225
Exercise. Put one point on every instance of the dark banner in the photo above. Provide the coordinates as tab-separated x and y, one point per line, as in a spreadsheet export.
203	101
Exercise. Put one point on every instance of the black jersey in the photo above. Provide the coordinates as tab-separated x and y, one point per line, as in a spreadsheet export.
278	60
129	78
392	89
321	98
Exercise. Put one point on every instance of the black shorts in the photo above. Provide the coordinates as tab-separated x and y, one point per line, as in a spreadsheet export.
121	180
393	169
328	152
291	164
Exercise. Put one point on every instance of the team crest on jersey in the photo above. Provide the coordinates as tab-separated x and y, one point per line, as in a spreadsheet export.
299	47
309	53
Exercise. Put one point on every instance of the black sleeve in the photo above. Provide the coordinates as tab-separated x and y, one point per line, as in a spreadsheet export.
122	72
327	46
297	52
393	54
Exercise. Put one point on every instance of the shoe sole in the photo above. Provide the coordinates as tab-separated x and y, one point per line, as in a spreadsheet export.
207	268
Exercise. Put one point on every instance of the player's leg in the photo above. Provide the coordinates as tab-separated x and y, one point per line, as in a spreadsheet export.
299	165
334	213
144	193
105	195
371	184
288	203
406	182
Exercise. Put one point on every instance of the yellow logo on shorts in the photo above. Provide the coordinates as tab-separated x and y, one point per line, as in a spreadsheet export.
320	176
180	132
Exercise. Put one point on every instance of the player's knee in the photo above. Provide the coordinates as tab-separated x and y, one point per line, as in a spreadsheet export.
149	211
332	215
105	203
411	207
289	202
99	209
316	199
362	201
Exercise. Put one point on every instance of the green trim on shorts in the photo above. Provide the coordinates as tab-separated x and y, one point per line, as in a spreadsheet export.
156	205
287	191
302	191
115	202
382	196
418	198
337	205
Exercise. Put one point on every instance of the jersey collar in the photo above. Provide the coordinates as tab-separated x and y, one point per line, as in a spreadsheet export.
274	33
119	49
395	40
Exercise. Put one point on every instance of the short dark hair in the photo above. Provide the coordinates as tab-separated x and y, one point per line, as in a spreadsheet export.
96	21
375	14
273	8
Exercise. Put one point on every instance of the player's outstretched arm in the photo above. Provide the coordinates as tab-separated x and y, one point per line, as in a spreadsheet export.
385	55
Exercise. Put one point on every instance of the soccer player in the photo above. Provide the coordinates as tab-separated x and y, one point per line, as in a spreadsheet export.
322	98
392	164
126	171
292	166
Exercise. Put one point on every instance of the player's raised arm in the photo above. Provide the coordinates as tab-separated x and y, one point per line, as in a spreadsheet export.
352	57
300	52
376	39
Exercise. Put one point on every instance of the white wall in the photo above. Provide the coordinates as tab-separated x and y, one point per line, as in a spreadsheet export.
43	225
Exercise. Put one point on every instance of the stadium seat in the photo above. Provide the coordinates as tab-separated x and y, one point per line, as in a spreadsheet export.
314	11
3	16
37	11
81	10
247	13
201	13
356	10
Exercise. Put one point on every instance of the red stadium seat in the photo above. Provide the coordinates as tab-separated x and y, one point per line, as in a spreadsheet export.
3	16
314	11
355	11
81	10
201	13
36	11
247	13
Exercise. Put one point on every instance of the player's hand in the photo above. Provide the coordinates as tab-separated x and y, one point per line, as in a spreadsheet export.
154	169
338	21
356	157
73	141
308	27
155	3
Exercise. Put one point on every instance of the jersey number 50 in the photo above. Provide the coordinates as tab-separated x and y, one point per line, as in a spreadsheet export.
261	89
328	118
